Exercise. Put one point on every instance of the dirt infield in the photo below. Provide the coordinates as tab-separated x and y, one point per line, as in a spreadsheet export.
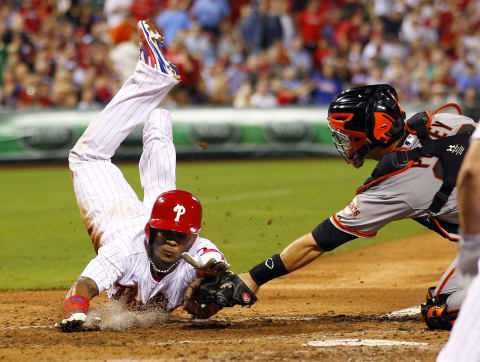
339	297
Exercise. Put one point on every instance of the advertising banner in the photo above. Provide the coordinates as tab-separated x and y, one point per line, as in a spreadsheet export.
197	132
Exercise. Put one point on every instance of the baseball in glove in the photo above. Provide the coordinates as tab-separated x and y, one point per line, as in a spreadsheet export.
206	296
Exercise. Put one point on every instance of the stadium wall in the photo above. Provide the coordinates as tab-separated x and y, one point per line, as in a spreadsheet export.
198	132
204	132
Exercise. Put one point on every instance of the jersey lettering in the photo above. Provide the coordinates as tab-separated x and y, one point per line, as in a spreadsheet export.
180	210
436	133
441	125
456	149
351	210
159	300
419	163
126	294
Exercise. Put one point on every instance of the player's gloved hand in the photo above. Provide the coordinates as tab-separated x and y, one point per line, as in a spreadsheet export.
199	310
74	323
206	264
76	308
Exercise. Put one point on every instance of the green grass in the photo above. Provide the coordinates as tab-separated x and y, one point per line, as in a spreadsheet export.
252	209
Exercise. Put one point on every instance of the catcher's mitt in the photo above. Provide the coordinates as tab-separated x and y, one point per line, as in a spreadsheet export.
212	293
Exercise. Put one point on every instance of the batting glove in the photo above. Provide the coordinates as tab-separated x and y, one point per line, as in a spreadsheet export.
74	323
206	264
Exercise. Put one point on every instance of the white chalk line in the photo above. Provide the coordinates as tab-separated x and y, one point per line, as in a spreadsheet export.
362	342
235	340
247	196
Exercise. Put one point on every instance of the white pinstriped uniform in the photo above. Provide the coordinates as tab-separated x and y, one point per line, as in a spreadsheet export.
114	216
463	344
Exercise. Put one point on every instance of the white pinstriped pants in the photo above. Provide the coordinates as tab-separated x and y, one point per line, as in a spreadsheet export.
103	194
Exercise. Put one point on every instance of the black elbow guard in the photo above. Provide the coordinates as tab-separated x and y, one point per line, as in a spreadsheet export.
328	237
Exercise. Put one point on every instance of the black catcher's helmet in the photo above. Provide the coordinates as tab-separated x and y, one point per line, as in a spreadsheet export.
363	118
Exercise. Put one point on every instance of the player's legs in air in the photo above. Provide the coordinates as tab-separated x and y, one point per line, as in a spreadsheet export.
103	195
158	160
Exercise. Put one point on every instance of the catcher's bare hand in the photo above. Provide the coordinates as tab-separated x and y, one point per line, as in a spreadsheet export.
198	310
74	323
207	265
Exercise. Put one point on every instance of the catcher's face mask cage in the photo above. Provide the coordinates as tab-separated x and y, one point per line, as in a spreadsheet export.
363	118
342	144
352	145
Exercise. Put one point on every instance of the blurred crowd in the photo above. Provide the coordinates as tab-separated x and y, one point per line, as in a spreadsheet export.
260	53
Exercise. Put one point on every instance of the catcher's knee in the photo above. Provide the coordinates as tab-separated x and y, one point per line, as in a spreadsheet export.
436	313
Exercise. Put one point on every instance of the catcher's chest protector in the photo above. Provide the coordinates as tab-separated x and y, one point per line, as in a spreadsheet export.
450	150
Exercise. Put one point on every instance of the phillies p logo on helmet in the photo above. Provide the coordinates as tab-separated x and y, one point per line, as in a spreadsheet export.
180	210
176	210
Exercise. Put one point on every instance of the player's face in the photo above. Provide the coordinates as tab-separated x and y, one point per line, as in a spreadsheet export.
348	145
169	245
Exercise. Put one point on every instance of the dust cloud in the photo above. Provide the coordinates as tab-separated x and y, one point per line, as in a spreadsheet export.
114	317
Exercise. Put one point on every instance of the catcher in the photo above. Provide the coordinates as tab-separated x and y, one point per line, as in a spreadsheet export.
148	252
418	163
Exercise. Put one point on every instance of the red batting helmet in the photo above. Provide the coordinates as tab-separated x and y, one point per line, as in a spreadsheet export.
363	118
176	210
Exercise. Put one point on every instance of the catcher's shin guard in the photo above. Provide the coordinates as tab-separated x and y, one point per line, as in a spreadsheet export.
435	311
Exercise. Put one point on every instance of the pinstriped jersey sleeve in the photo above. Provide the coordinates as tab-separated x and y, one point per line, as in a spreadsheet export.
106	268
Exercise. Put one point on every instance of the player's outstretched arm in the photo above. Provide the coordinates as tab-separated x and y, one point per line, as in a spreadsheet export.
231	289
295	256
77	303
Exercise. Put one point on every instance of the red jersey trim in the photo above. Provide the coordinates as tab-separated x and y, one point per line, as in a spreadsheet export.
446	280
350	230
454	105
373	182
444	232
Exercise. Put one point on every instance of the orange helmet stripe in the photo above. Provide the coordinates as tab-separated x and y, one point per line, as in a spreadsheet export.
338	121
383	125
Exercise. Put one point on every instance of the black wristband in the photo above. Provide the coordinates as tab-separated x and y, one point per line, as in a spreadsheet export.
267	270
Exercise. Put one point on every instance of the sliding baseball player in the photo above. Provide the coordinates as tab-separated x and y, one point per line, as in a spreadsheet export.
139	244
